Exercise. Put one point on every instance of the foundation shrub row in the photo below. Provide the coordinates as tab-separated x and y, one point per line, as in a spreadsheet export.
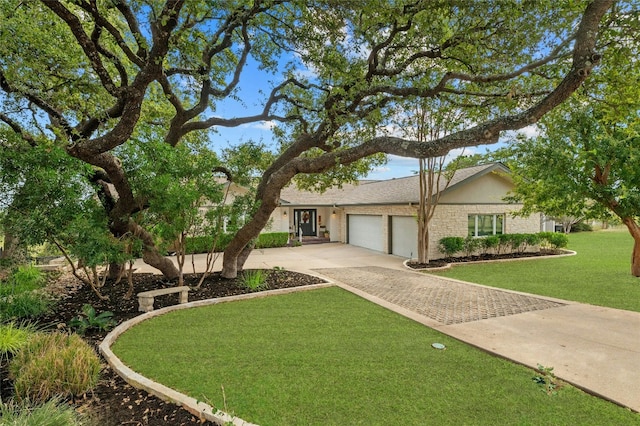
501	244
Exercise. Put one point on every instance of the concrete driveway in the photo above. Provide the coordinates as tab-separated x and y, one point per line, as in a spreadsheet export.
594	348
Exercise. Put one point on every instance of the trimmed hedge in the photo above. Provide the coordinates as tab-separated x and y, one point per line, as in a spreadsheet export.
203	244
272	239
503	243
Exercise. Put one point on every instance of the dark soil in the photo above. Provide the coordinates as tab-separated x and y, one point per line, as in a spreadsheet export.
113	401
439	263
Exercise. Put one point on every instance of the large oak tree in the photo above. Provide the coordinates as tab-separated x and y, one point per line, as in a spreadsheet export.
88	75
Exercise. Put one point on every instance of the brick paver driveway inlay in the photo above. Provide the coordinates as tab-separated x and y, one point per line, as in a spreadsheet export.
445	301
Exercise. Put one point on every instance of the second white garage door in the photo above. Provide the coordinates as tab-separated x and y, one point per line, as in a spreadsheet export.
366	231
404	236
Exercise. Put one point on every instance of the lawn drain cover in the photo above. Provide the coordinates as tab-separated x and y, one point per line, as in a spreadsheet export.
438	346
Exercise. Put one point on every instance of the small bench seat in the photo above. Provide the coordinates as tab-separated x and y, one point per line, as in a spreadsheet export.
146	298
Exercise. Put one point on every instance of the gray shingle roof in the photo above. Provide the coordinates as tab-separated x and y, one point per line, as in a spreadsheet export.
392	191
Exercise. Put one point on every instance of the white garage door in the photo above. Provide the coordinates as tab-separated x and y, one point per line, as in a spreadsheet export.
404	236
366	231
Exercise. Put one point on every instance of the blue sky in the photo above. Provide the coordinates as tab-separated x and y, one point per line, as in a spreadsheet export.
250	100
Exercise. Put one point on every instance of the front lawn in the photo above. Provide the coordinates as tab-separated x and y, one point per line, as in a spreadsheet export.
328	357
599	274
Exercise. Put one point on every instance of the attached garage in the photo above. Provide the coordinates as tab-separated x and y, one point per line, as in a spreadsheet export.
365	231
404	236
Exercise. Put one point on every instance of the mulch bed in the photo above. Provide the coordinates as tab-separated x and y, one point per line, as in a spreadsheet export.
439	263
113	401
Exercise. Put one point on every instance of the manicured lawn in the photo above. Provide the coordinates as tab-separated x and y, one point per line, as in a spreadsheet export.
328	357
599	274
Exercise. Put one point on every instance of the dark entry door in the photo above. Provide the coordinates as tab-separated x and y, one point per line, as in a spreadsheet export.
305	221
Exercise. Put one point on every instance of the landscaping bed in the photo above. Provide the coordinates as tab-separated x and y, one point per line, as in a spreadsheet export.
113	401
441	263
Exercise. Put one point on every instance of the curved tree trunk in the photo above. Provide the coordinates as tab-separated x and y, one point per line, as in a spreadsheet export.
239	248
150	254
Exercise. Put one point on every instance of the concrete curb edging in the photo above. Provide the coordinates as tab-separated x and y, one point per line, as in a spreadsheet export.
450	265
197	408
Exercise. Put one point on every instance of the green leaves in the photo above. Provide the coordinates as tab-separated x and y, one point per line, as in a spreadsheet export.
90	320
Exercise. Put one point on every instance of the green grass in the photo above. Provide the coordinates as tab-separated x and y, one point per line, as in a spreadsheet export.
600	274
328	357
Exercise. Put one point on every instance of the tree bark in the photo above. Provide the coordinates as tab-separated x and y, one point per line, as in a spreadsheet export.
12	249
115	270
239	249
634	230
150	254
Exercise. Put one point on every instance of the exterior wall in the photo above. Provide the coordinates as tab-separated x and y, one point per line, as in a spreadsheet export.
327	220
449	220
490	188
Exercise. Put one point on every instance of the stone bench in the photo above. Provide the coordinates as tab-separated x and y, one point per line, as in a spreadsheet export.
146	298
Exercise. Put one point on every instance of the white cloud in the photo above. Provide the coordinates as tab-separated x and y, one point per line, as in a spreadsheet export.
457	152
263	125
529	131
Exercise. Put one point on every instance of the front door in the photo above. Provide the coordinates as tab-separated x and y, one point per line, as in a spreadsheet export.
305	222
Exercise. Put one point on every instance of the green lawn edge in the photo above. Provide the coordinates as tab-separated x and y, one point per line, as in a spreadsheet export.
328	357
599	274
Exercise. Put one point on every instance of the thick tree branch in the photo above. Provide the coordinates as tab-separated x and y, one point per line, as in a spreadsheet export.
85	42
102	22
18	129
41	103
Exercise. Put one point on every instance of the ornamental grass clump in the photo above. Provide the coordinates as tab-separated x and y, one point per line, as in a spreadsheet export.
29	304
51	364
13	337
50	413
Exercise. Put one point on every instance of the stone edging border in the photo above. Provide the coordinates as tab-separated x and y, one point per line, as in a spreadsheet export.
449	265
197	408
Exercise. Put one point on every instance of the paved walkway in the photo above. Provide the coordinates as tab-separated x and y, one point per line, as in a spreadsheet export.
595	348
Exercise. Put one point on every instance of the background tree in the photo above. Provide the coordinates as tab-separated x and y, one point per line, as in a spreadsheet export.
586	162
429	121
583	164
88	76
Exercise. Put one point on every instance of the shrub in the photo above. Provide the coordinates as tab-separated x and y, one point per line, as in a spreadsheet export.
471	245
24	278
581	227
490	242
203	244
13	337
506	243
254	279
532	240
450	245
51	364
24	305
555	240
90	320
272	239
51	413
518	242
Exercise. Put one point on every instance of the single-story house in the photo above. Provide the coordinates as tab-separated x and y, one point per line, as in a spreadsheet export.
382	215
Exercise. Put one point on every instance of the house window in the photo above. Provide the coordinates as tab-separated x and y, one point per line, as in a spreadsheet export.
486	224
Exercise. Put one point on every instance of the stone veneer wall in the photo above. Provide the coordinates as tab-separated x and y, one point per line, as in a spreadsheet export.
449	220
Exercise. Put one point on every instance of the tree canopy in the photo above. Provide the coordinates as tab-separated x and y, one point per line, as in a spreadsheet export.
586	161
90	77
